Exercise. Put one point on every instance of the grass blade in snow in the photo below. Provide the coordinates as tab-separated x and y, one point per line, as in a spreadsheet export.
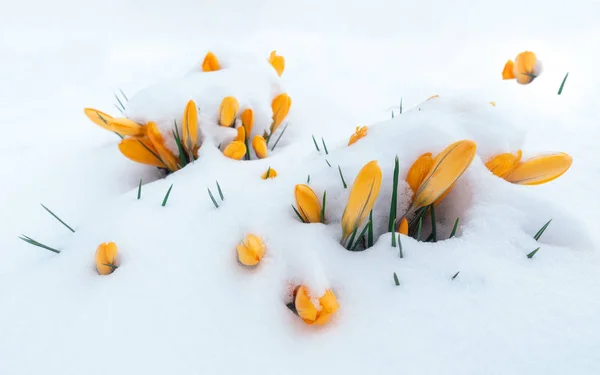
33	242
562	85
58	218
164	203
542	230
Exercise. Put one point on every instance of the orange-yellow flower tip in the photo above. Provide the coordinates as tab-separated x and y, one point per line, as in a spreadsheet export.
167	157
281	107
277	62
540	169
251	250
248	121
210	63
493	104
363	194
359	133
99	118
418	171
235	150
403	227
241	134
527	67
190	128
501	165
311	314
228	111
142	151
433	97
309	206
509	70
126	127
270	173
259	144
106	258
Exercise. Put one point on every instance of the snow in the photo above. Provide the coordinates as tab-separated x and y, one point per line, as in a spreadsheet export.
180	303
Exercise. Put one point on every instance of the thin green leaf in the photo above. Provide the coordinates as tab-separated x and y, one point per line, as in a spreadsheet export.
119	109
120	103
220	191
280	135
315	142
342	177
268	172
212	198
324	146
323	207
125	96
111	266
33	242
394	203
562	85
396	279
327	161
433	225
541	231
394	239
400	105
183	161
532	254
370	232
308	180
454	228
58	218
139	195
456	274
360	236
400	245
352	239
164	203
419	228
298	214
392	113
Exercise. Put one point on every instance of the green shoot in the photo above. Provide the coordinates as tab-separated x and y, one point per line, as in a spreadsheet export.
327	161
454	228
456	274
433	226
324	146
298	214
562	85
139	195
220	191
268	172
33	242
392	113
58	218
308	180
396	279
541	231
400	105
361	235
212	198
532	254
323	207
352	239
280	135
400	246
179	146
394	202
111	266
124	96
315	142
342	177
370	232
120	103
164	203
419	228
394	239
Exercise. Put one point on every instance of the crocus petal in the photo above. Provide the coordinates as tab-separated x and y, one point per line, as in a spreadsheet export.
447	167
280	106
125	127
540	170
228	111
358	134
190	127
304	306
509	70
99	118
248	121
433	97
308	204
251	250
501	165
272	173
259	144
210	63
235	150
362	198
417	172
141	150
106	256
329	305
278	62
493	104
241	134
403	227
525	65
164	153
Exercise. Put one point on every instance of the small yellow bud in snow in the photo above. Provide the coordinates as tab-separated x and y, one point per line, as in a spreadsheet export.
210	63
270	173
106	258
312	314
358	134
403	227
280	106
278	62
260	146
235	150
251	250
228	111
308	204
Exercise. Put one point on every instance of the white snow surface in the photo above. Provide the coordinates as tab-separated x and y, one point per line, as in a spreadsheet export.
180	303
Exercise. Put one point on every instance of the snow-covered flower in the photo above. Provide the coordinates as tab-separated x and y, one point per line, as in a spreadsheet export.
228	111
359	133
210	63
535	171
311	313
524	69
280	106
270	173
278	62
251	250
309	207
106	258
259	144
235	150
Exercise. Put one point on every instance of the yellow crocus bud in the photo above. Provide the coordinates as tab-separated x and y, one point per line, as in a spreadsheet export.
312	314
259	144
270	173
540	169
403	227
278	62
418	170
235	150
190	129
106	258
501	165
210	63
248	121
280	106
228	111
251	250
363	194
309	206
358	134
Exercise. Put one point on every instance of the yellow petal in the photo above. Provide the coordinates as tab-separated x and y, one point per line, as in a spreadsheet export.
280	106
99	118
106	255
362	198
403	227
228	111
493	104
190	127
304	306
448	166
141	150
251	250
525	66
125	127
259	144
433	97
159	145
358	134
308	204
417	172
272	173
248	121
235	150
241	134
540	170
278	62
509	70
210	63
501	165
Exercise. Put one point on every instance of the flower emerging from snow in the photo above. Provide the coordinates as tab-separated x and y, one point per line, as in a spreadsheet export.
235	150
535	171
309	207
524	69
251	250
358	134
228	111
311	313
259	144
280	106
106	258
270	173
210	63
278	62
